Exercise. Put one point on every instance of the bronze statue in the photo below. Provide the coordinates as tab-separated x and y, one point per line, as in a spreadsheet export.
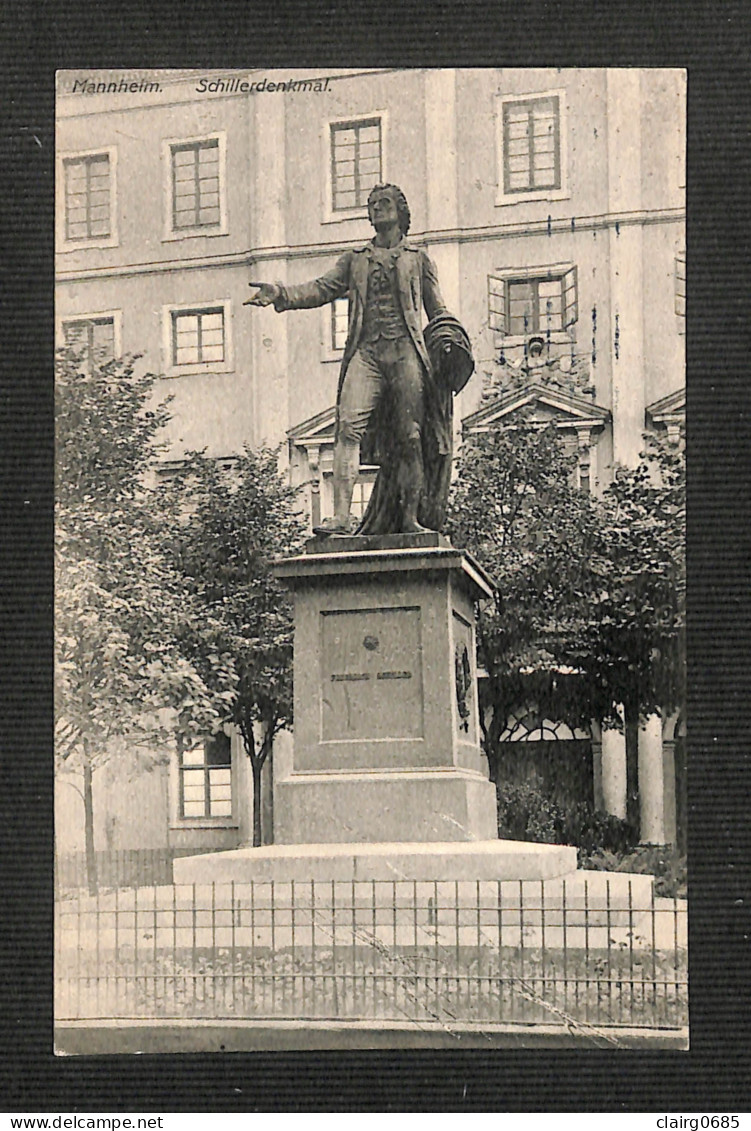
396	382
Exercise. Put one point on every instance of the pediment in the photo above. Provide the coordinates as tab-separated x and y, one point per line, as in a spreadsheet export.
668	408
566	409
318	429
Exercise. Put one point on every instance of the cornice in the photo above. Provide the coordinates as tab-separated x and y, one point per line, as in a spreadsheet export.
252	256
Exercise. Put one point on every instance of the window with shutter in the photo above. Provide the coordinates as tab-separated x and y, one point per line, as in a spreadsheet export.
570	298
91	339
497	304
525	304
680	291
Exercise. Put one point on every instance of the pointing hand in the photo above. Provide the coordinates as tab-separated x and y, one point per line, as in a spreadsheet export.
267	293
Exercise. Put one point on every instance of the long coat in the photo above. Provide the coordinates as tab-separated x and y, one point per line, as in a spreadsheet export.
417	288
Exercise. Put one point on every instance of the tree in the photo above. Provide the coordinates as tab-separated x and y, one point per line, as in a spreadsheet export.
121	608
588	614
636	645
514	507
228	524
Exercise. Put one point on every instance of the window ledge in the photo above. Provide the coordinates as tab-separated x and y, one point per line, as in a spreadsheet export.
345	217
502	199
201	370
192	233
202	823
87	245
557	337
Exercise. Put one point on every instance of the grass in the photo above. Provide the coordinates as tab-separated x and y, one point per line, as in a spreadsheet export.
613	986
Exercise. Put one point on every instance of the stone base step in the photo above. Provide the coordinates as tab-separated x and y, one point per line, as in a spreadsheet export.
468	861
472	893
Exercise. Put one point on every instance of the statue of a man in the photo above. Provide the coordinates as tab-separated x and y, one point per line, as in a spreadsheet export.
392	397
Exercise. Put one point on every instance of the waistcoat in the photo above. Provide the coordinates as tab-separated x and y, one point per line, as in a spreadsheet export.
382	317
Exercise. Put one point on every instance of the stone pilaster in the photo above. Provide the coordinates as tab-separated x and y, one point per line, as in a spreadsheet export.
268	329
626	264
651	784
613	770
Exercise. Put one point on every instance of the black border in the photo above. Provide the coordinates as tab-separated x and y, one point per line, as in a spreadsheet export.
712	40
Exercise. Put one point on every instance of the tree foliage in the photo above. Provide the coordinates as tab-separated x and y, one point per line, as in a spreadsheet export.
228	525
639	610
122	611
514	508
589	609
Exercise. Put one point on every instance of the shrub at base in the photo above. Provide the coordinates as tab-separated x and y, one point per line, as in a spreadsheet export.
525	813
605	843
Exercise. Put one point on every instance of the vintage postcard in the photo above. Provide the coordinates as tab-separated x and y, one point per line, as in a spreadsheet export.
370	555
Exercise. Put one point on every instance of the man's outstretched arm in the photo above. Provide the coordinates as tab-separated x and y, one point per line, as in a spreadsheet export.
334	284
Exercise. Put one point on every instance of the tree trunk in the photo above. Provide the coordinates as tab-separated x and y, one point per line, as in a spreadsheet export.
256	766
88	811
268	800
631	726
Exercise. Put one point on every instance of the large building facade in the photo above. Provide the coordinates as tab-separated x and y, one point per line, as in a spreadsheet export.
552	202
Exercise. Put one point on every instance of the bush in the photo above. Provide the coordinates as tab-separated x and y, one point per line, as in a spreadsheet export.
592	829
665	863
525	813
605	843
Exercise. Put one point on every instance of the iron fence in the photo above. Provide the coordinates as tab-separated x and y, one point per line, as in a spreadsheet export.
579	951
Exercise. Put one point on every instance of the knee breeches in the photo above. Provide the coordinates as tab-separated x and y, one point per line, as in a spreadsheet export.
383	369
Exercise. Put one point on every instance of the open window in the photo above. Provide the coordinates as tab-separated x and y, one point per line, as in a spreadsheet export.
526	303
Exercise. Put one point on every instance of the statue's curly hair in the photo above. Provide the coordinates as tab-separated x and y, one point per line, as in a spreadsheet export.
402	208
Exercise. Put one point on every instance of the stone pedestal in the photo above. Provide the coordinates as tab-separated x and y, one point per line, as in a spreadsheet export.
386	730
386	779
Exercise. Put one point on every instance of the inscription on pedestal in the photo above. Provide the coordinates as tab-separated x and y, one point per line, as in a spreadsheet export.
371	675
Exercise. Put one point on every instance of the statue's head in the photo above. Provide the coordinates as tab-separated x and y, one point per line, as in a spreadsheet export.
399	199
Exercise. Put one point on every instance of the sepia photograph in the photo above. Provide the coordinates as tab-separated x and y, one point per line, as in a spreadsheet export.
370	578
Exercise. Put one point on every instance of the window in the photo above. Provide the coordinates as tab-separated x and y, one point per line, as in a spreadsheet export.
532	150
87	188
339	324
356	162
334	328
525	304
680	291
206	779
194	173
531	145
362	491
198	336
195	185
92	339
